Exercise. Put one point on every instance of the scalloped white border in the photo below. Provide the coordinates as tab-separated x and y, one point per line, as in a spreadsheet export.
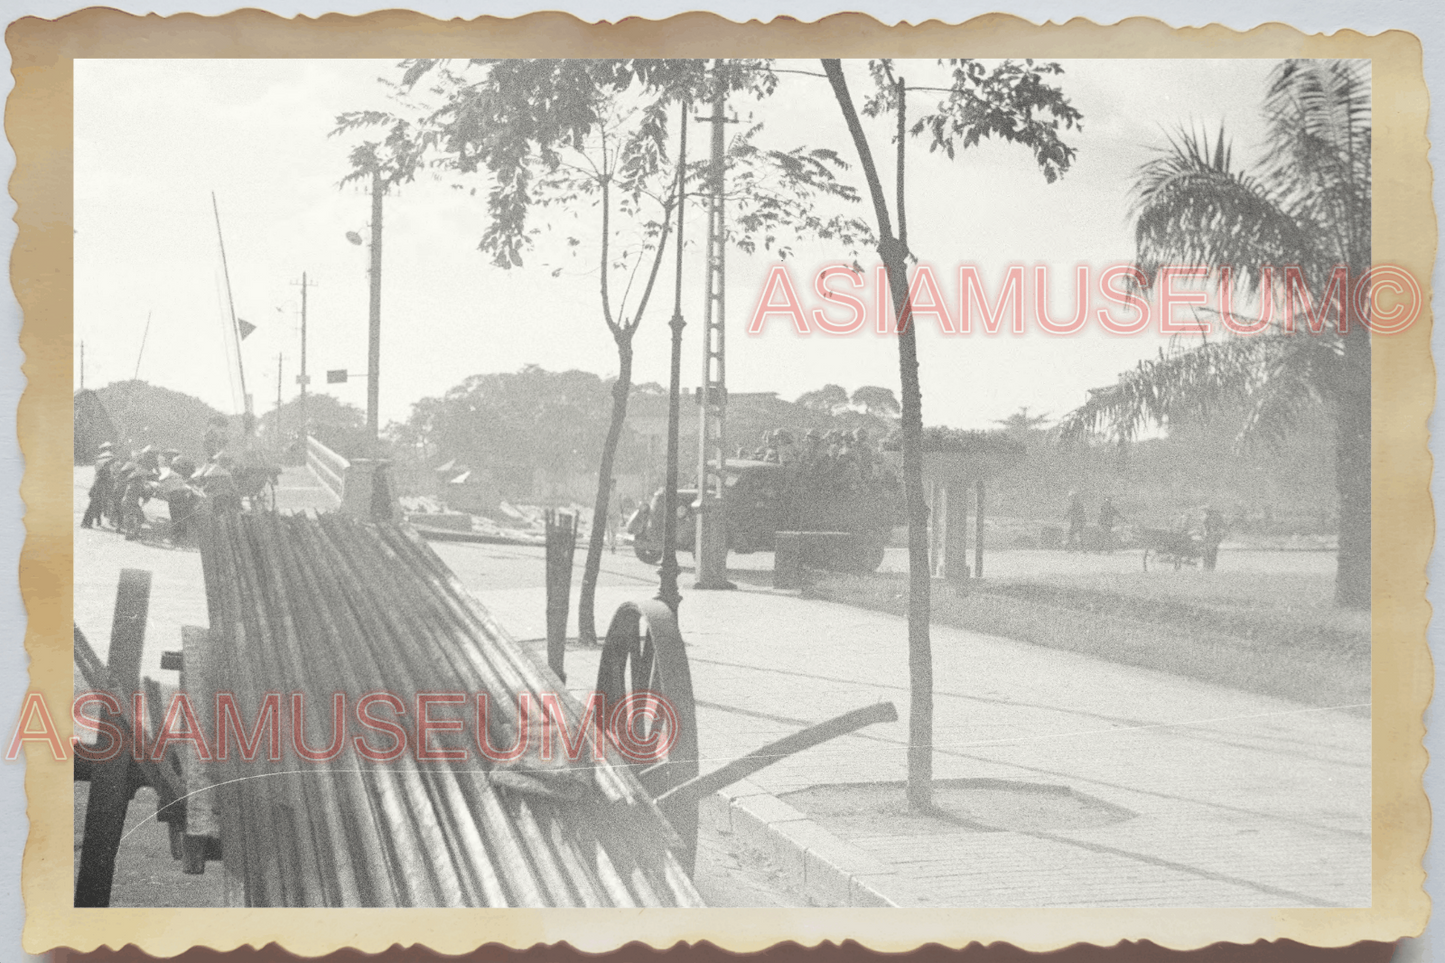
1420	17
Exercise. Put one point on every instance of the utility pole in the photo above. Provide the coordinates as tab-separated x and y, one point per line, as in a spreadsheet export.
302	379
373	363
667	592
712	552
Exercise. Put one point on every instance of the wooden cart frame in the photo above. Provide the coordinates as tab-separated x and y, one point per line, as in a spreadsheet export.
643	653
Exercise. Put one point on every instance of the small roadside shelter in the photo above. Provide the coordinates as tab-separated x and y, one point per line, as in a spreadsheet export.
955	461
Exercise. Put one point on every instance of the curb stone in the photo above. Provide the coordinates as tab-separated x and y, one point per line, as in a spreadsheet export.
829	871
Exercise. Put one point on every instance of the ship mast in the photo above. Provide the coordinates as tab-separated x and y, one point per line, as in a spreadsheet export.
235	325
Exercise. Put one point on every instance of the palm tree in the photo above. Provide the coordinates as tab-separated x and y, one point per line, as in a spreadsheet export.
1306	203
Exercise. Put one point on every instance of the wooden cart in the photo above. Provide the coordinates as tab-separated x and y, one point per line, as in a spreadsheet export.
1171	547
501	836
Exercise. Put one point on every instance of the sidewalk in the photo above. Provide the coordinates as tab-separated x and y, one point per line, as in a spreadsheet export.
1175	792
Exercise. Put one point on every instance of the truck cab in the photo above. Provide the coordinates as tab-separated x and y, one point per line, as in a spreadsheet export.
762	498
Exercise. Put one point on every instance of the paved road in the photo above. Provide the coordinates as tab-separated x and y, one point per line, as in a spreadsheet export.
1213	797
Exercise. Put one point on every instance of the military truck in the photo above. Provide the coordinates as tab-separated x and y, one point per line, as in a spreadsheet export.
763	498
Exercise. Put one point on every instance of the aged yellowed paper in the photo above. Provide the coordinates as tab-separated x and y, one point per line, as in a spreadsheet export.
1174	692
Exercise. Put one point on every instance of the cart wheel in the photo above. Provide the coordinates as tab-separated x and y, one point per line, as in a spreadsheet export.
1146	559
644	652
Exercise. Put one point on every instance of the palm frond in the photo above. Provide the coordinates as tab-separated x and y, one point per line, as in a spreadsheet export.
1192	208
1291	384
1318	151
1179	384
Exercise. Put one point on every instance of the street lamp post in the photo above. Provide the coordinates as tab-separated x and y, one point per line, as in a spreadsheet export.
667	592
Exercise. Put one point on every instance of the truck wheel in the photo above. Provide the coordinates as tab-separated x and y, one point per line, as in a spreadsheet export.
869	557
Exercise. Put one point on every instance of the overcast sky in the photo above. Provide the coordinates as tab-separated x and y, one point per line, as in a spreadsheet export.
154	139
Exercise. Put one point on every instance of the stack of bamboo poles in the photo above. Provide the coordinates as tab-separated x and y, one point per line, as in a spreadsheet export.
331	605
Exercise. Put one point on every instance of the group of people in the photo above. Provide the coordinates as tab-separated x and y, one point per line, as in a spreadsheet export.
1076	514
1211	533
831	462
125	482
1207	524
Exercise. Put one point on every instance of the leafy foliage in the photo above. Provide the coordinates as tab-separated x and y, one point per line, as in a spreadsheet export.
774	195
532	419
1021	422
1011	101
146	414
876	400
829	398
527	124
337	424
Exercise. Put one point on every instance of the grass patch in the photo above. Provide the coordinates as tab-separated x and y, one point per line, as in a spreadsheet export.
1277	635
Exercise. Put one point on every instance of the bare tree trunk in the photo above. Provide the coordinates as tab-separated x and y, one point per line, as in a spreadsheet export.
920	647
1352	471
622	332
621	390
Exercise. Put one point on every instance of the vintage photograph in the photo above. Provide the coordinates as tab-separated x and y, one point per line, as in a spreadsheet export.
724	482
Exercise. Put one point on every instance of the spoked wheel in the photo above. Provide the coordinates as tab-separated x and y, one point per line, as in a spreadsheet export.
644	675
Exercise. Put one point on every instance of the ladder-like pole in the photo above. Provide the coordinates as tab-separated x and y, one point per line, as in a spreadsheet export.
712	411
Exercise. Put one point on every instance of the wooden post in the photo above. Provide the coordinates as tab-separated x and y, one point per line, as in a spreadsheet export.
114	781
955	529
978	512
561	547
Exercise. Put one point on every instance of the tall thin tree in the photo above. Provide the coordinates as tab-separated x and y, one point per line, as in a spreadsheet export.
540	130
1010	101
